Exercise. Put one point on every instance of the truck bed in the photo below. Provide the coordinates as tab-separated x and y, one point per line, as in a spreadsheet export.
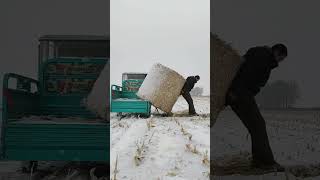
128	99
69	133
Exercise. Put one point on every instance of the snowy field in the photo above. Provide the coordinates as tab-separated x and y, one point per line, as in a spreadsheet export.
294	138
160	148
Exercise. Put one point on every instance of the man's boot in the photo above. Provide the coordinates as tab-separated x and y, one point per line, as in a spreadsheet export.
267	166
192	111
193	114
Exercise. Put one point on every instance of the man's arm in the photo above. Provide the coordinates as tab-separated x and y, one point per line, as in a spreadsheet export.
265	75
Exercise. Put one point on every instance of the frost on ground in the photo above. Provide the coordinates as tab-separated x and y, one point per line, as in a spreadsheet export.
294	138
162	147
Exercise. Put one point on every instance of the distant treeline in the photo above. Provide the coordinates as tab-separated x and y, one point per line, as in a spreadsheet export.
196	91
279	94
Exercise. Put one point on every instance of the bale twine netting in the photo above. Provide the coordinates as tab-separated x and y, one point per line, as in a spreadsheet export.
162	87
225	62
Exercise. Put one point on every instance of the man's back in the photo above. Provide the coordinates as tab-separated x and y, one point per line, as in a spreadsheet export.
255	70
189	84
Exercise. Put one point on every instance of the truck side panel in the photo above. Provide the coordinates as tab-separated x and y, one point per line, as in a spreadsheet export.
34	141
82	142
17	101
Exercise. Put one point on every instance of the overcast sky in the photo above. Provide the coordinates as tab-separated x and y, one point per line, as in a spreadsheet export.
22	22
248	23
174	33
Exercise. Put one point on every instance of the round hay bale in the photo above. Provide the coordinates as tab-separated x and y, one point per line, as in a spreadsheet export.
162	87
225	62
98	99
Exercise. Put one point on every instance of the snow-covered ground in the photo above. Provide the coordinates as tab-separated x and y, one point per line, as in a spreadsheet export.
162	147
294	138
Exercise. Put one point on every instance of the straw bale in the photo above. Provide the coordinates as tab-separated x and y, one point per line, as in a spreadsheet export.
98	99
224	64
162	87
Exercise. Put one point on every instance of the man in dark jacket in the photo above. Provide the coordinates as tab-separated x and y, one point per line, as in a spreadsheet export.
251	76
185	92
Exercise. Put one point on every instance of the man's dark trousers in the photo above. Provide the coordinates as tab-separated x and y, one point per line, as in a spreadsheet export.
247	110
186	95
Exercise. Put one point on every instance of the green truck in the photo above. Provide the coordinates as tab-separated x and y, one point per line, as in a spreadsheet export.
45	119
124	98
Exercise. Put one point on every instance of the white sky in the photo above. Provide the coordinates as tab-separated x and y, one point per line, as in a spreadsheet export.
174	33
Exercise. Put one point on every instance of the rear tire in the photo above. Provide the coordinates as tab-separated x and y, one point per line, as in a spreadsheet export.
145	115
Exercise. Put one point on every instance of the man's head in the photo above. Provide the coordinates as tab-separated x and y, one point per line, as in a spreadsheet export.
280	52
197	77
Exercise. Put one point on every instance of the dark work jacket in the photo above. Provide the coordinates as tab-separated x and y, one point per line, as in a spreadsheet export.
189	84
254	72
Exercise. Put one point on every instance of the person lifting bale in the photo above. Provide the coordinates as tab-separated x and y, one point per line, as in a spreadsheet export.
185	92
236	81
163	86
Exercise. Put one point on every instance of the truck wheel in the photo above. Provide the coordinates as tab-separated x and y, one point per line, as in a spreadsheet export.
145	115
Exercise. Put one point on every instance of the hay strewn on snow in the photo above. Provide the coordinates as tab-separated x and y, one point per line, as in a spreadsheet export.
161	87
224	64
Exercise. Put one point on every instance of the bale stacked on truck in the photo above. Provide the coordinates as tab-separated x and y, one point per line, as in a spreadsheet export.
224	65
98	99
162	87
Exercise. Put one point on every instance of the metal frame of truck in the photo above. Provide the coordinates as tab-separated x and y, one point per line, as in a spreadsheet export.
124	98
69	141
